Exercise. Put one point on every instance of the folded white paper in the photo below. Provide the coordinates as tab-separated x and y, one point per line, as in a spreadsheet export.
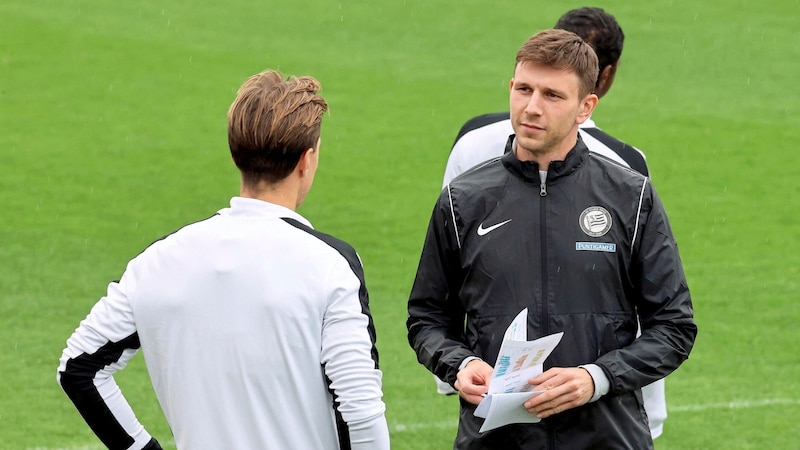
519	360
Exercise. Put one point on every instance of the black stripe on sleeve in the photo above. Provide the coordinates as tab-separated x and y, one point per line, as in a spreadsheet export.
351	256
629	154
77	380
342	429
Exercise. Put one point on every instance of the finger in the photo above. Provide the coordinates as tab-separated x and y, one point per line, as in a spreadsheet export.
470	385
556	398
556	405
545	376
474	399
547	409
549	393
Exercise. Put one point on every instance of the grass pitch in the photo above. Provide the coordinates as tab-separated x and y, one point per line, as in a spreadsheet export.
112	134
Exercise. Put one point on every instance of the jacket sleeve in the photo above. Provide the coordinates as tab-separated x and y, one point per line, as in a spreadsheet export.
435	315
663	303
102	344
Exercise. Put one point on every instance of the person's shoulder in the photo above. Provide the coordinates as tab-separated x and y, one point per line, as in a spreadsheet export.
615	173
480	175
338	245
188	231
475	191
480	122
480	139
600	142
480	182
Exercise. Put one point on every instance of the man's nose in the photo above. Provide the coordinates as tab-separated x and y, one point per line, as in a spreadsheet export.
534	106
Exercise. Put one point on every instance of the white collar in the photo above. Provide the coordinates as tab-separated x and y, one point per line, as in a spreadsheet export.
243	206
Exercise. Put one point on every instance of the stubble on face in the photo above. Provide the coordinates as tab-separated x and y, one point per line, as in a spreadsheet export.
545	106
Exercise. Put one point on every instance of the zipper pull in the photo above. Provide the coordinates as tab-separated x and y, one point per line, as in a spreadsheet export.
542	190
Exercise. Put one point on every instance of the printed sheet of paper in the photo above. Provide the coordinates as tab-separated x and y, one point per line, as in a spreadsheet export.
503	409
519	360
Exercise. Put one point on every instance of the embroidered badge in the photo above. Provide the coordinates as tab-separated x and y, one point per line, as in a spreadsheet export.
595	221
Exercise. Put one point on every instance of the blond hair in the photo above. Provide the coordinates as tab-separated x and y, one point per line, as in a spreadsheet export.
272	122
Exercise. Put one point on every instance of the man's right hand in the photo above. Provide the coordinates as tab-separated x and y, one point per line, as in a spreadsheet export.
472	381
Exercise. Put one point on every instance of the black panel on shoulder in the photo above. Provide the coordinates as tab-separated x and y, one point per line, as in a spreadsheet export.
629	154
349	253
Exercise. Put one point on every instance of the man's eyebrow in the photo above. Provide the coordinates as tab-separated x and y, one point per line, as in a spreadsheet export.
554	91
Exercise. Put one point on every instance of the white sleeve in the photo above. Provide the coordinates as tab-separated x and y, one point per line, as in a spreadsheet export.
350	360
102	344
475	147
453	167
370	434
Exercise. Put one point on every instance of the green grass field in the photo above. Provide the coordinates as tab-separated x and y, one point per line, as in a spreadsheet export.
112	134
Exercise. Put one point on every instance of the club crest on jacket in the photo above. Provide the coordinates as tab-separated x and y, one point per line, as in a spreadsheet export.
595	221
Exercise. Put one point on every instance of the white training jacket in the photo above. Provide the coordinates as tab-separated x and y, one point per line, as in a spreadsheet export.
256	333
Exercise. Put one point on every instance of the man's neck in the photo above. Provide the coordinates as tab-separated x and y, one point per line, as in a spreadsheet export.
281	193
544	158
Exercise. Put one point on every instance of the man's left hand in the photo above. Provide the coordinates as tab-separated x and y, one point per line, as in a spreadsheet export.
564	388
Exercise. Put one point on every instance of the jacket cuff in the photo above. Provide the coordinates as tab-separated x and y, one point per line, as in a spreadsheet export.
465	362
601	383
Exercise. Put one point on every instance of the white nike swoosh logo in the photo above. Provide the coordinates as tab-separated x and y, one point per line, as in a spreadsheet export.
482	231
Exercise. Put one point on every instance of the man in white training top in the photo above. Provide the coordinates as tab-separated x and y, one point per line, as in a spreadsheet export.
255	328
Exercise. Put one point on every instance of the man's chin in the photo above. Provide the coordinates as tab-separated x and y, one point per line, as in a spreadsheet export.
528	153
530	145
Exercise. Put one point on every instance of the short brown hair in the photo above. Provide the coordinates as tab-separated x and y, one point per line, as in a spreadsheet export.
562	50
272	122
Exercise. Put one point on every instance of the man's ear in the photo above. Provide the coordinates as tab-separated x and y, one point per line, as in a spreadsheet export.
605	79
588	104
305	160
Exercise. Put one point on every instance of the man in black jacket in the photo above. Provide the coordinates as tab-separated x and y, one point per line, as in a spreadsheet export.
484	137
581	241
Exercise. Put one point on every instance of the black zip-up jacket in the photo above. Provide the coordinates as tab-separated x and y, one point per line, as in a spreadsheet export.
585	252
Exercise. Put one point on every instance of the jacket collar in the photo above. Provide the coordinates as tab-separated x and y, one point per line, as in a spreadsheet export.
255	208
529	170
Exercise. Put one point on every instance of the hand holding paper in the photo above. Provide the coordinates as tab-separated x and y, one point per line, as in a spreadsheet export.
518	361
473	380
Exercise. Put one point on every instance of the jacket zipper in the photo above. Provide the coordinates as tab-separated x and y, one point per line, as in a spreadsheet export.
551	435
543	239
